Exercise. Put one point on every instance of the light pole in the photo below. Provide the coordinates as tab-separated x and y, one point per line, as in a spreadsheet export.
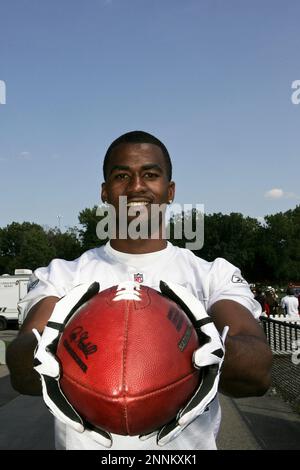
59	219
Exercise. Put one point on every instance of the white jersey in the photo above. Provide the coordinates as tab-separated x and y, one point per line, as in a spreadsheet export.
209	281
290	304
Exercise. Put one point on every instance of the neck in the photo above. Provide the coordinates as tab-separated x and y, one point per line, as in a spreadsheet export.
138	247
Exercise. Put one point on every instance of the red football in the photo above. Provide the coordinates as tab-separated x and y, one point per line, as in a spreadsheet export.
126	359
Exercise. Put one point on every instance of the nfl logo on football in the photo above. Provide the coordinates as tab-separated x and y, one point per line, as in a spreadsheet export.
138	277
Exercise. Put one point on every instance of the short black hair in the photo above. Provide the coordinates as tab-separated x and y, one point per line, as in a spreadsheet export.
138	137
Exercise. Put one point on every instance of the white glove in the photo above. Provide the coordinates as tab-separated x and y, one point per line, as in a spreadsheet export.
47	365
208	357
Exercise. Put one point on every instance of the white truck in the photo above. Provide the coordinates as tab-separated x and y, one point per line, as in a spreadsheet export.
12	289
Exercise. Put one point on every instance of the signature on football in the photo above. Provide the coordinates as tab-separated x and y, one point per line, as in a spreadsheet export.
79	336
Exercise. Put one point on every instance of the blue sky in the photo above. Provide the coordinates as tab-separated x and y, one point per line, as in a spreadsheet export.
212	79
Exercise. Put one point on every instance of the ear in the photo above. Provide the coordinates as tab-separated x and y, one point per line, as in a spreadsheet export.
171	191
103	192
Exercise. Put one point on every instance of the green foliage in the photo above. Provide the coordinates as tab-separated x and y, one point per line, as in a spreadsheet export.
66	245
89	219
281	250
23	245
29	245
268	253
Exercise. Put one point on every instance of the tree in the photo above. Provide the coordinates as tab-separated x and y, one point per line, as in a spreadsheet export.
280	250
268	253
29	245
186	228
233	237
35	250
24	246
66	245
89	219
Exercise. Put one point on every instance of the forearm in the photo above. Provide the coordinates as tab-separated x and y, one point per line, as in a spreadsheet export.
19	357
247	366
20	352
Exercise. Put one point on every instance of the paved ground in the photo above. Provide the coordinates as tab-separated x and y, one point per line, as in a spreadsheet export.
25	423
5	337
266	423
257	423
248	423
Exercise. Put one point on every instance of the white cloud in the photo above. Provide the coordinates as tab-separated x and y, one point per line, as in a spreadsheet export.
25	156
275	193
278	193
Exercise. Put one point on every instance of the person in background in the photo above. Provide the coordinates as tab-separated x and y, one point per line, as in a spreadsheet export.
290	304
261	298
271	301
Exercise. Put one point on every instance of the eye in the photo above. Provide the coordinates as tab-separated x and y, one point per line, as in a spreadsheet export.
121	176
151	175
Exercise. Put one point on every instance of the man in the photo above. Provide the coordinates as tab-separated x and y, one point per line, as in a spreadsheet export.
138	166
260	298
289	303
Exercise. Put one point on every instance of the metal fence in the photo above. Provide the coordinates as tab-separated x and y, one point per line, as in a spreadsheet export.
283	336
284	340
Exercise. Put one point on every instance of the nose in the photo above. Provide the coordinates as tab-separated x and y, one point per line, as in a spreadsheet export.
137	184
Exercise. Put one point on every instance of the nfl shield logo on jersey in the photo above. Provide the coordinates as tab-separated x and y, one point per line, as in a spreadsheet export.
138	277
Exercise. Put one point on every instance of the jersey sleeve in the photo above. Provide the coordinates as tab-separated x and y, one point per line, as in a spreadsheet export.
54	280
227	283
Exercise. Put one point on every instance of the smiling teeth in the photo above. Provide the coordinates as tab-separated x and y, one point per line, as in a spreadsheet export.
141	203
